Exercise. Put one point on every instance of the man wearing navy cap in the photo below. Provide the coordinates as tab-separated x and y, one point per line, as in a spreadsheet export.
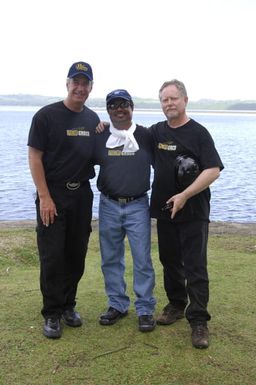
123	152
61	141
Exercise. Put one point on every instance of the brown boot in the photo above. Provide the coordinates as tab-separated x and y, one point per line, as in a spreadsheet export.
200	335
170	315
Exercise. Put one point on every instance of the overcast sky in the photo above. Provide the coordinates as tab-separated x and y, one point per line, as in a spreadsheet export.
136	44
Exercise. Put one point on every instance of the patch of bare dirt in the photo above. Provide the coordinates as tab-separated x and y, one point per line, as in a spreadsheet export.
221	228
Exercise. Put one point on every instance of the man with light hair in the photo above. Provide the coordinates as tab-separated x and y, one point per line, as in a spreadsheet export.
182	213
61	142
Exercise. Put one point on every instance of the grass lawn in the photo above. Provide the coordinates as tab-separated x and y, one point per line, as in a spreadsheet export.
120	354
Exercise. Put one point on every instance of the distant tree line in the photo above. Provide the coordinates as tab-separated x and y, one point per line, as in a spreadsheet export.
243	106
140	103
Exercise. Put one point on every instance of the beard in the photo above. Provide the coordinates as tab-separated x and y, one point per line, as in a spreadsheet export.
172	114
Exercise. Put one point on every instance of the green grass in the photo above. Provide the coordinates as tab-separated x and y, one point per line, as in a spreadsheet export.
120	354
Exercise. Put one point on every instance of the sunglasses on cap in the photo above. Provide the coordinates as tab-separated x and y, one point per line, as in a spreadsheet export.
116	105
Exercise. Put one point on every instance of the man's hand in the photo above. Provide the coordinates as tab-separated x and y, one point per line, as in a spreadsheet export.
47	210
203	181
101	127
176	203
47	206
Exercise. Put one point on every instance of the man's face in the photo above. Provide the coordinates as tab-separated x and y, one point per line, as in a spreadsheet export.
173	103
120	111
79	88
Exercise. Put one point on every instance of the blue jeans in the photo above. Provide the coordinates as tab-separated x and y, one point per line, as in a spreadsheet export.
116	220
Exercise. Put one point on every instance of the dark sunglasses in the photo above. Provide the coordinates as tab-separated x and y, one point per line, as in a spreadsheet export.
115	106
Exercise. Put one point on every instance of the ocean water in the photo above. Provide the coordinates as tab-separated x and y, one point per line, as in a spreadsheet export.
233	194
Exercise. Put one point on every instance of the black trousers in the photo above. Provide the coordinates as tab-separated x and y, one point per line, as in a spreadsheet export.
62	248
183	254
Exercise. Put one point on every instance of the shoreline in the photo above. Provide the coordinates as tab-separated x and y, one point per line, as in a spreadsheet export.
216	228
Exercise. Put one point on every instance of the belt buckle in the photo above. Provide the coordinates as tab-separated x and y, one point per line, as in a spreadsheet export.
73	185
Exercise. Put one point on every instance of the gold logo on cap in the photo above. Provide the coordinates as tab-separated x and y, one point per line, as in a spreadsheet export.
81	67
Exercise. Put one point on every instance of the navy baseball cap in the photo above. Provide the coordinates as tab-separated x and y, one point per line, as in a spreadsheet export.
119	94
80	68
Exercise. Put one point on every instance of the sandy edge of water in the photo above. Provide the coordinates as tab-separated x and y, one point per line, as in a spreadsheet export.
216	228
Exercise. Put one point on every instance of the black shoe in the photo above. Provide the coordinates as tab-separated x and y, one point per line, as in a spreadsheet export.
71	318
200	335
146	323
111	316
52	328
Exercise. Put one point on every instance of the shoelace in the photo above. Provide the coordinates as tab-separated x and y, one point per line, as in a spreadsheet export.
200	330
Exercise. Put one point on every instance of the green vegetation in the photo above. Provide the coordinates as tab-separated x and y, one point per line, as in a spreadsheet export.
120	354
140	103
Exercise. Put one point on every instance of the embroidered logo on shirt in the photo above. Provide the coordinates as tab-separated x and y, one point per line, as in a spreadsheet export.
80	131
167	147
119	153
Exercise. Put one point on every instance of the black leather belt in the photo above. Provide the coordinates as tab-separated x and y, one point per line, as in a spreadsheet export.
68	185
124	199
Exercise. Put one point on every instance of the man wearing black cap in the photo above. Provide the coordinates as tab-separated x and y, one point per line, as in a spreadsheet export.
123	152
61	141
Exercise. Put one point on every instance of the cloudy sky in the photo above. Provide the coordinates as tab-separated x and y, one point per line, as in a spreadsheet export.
136	44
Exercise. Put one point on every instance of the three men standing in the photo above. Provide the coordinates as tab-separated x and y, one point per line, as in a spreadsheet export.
61	142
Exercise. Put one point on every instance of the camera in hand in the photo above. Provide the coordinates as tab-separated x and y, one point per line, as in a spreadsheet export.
168	206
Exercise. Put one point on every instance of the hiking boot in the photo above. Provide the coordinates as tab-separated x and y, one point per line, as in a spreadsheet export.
52	328
71	318
200	335
146	323
170	315
111	316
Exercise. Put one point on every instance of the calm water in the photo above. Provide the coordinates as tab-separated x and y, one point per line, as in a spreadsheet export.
233	194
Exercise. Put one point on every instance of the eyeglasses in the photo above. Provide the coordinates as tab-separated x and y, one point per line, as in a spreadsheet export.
115	106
